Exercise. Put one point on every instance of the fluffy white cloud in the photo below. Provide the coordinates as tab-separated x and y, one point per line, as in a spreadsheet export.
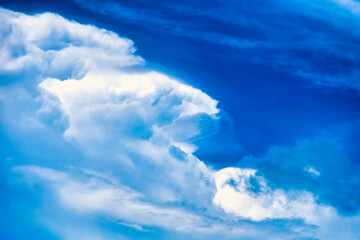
111	110
49	45
131	115
241	192
133	103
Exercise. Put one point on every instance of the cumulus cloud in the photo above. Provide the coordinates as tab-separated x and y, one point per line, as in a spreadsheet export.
131	116
241	192
244	193
111	111
138	102
48	45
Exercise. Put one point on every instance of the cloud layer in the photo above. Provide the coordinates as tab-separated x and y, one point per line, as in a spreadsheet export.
297	36
134	125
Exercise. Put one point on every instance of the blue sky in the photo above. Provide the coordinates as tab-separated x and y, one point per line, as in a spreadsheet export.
179	119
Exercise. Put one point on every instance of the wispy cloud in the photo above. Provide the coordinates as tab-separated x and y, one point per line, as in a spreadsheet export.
90	195
316	40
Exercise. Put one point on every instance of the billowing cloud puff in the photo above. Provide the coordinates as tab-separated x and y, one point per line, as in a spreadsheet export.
244	193
49	45
131	115
241	192
133	103
113	112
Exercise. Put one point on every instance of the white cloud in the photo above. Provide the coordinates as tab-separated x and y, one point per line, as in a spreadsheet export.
312	171
243	193
112	111
134	100
49	45
125	114
117	114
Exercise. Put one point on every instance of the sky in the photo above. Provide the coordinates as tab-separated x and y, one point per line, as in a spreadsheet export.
179	119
